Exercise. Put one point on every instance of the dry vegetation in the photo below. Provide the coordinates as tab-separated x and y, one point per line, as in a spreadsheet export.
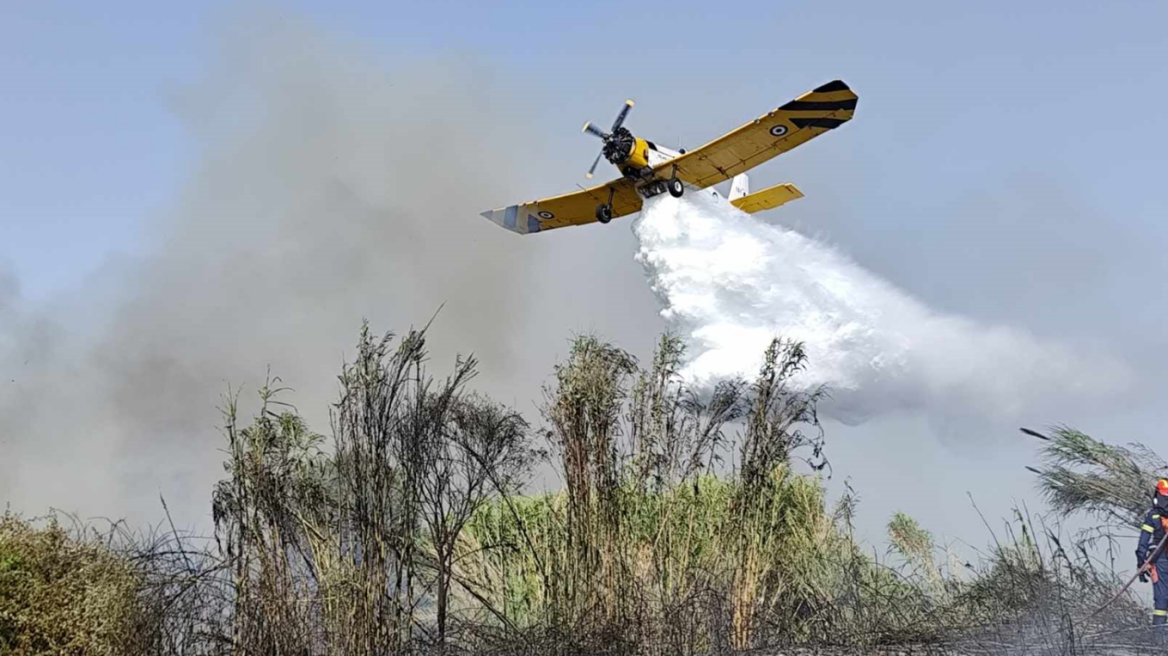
63	593
686	524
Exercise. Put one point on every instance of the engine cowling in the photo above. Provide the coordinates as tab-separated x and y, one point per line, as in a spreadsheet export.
620	146
624	150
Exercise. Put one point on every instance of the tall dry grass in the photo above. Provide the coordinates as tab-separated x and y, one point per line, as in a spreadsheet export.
687	523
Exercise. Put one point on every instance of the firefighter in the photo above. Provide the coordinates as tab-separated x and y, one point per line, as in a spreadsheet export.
1152	534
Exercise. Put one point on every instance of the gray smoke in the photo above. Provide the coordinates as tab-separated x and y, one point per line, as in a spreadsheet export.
327	190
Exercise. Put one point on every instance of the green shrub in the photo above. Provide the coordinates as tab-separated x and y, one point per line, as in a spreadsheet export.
63	593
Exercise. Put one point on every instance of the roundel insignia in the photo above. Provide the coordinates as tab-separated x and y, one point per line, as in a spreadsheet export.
779	130
545	215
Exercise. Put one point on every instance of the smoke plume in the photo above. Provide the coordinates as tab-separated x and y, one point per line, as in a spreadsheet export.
327	190
729	283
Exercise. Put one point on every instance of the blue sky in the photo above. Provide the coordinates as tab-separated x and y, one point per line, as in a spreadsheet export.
1067	91
90	147
1005	164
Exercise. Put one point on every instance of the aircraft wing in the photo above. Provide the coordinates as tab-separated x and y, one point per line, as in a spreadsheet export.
808	116
576	208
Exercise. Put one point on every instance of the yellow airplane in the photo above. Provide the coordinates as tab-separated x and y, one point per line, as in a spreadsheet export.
648	169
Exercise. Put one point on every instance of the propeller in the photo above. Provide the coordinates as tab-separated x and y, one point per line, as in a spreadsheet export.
620	118
594	131
607	137
592	169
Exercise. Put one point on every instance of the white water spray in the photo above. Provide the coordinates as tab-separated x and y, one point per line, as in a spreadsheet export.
730	283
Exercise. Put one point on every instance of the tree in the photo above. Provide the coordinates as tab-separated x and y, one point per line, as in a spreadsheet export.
1082	474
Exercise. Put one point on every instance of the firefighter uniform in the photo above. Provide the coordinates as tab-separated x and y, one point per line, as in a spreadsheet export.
1151	534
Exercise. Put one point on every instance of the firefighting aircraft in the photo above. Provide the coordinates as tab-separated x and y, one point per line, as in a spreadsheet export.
648	169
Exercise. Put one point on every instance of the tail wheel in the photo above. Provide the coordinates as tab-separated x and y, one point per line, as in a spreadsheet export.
604	213
676	189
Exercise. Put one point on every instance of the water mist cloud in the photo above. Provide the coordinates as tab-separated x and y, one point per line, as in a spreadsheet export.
729	283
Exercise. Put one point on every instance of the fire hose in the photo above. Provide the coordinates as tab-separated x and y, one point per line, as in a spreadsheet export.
1146	567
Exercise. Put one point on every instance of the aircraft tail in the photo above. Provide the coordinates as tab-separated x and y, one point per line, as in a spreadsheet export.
739	187
767	199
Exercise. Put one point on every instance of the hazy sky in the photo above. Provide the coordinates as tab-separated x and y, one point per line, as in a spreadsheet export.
188	194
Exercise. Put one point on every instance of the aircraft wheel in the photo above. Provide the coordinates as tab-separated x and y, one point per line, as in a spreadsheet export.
676	189
604	213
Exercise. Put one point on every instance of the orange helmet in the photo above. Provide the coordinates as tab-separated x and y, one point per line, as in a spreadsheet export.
1162	487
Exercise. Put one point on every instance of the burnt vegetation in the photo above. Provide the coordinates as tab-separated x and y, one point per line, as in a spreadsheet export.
686	523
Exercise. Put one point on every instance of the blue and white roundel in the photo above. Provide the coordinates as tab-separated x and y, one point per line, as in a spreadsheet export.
779	130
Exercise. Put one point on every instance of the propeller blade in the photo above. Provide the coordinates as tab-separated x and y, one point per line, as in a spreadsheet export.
620	118
594	131
594	163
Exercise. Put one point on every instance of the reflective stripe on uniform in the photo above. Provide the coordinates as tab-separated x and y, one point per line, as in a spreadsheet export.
1148	528
1161	613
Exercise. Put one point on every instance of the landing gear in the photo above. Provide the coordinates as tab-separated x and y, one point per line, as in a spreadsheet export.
604	212
676	189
